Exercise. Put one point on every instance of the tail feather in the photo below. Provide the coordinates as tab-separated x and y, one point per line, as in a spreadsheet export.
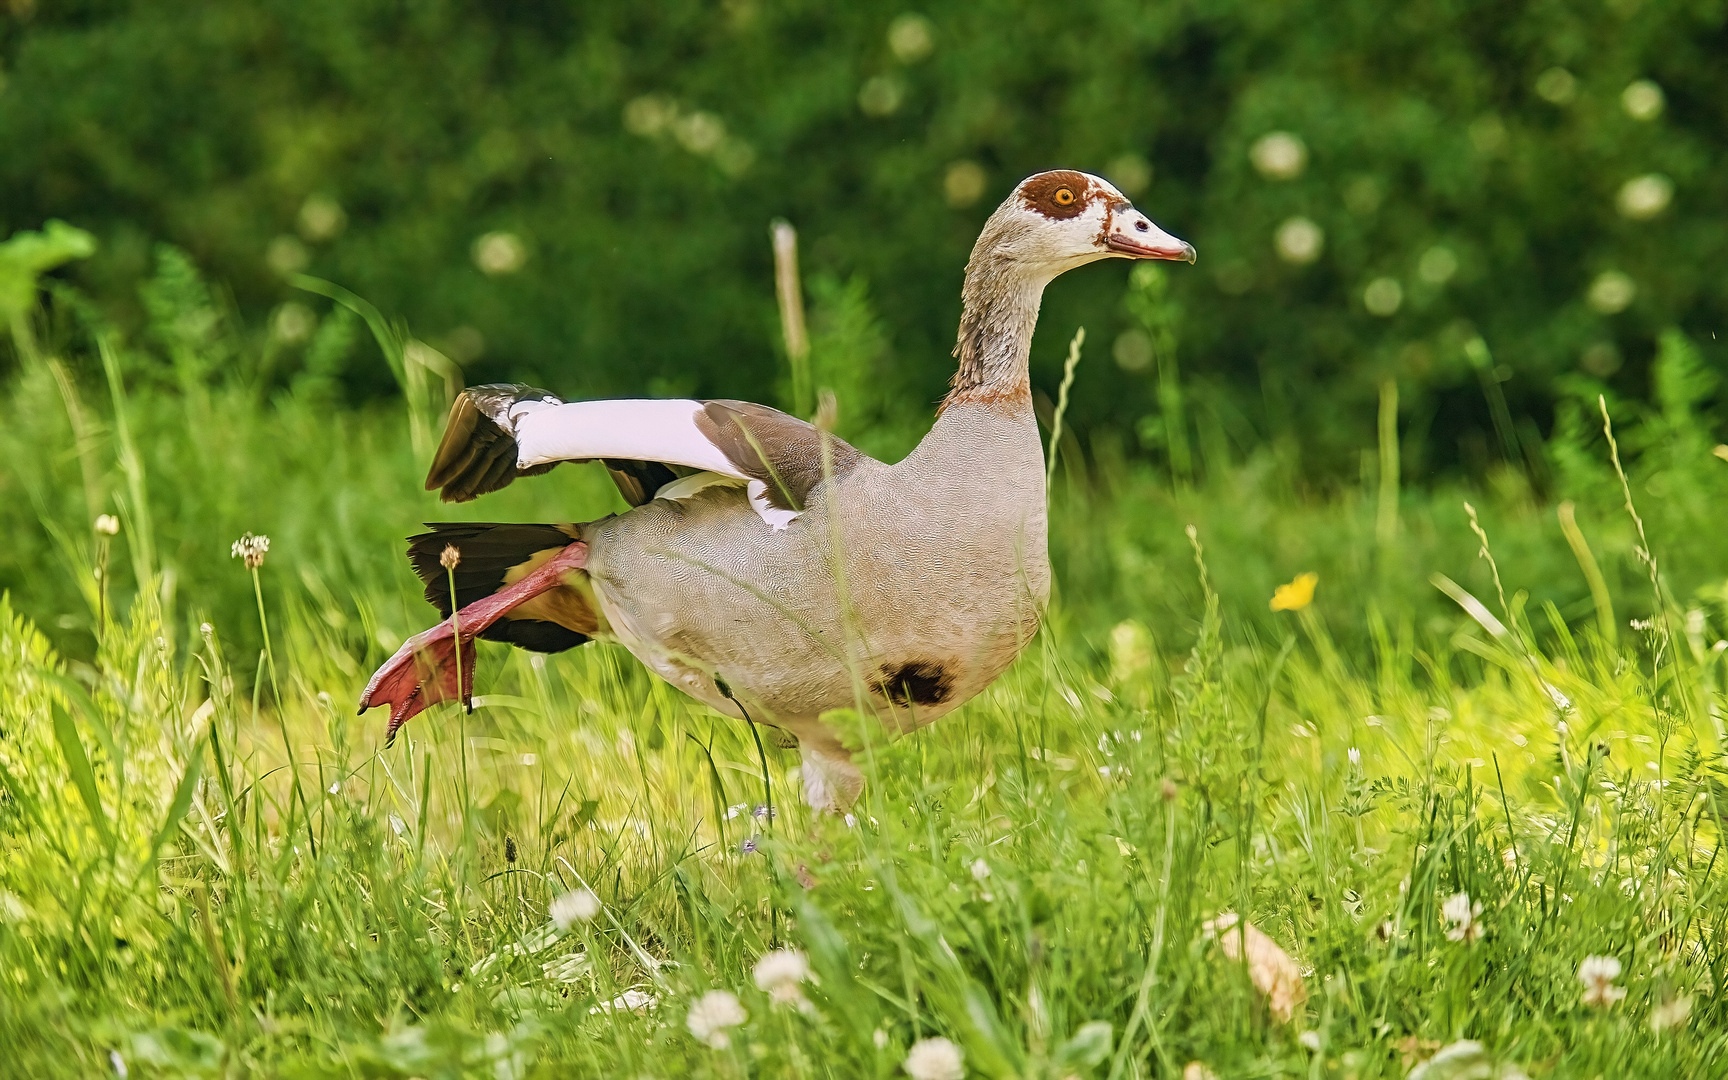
487	552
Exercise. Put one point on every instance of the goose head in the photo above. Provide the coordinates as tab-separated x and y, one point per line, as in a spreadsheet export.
1055	221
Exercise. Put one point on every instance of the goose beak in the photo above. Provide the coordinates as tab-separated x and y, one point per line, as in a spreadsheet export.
1133	234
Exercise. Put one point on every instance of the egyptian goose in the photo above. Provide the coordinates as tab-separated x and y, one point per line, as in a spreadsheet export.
768	569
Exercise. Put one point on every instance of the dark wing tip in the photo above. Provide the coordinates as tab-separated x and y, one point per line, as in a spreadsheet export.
477	454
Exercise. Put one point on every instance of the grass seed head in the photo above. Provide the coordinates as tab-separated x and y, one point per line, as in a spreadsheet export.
450	557
251	550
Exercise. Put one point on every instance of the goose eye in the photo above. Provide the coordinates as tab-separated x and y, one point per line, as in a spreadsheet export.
1063	197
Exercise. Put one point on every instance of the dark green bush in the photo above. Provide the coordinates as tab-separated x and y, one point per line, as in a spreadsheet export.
1471	155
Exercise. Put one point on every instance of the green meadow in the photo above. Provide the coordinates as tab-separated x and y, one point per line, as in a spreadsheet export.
1508	690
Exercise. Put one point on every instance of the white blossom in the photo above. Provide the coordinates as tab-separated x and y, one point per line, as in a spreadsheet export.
782	974
1671	1014
1464	918
1278	155
578	905
713	1015
251	550
1598	973
935	1059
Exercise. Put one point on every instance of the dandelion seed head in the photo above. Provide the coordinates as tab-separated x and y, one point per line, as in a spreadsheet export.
577	905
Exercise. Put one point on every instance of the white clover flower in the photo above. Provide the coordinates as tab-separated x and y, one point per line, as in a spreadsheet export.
880	1038
1642	100
1310	1039
1598	973
578	905
1643	197
980	869
1464	916
250	549
1299	241
713	1015
782	974
1383	296
498	253
1611	292
1278	155
935	1059
910	38
1671	1014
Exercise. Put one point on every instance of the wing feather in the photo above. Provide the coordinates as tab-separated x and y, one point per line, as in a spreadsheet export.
499	432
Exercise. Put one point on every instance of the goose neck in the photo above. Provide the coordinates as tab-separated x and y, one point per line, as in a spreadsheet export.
999	311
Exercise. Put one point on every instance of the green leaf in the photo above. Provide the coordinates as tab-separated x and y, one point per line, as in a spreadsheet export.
78	764
29	255
177	809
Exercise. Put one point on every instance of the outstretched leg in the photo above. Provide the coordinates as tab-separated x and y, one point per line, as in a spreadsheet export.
423	671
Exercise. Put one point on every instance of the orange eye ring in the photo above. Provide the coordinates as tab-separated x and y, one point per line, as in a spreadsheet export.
1063	197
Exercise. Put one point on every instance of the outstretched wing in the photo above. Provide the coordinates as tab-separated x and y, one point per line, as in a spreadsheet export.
499	432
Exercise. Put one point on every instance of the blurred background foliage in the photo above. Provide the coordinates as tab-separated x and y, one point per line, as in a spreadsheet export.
1499	207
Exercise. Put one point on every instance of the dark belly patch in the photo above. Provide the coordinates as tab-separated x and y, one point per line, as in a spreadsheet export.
919	682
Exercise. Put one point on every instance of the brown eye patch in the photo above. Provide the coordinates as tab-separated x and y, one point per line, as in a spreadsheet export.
1060	195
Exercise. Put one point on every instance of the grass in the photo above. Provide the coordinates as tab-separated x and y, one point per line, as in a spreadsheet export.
211	867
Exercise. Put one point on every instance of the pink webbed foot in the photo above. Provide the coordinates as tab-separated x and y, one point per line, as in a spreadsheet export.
423	671
422	674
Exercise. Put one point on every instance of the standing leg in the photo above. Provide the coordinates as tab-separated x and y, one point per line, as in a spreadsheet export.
831	782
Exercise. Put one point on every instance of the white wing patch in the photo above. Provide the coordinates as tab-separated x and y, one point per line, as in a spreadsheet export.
773	515
638	429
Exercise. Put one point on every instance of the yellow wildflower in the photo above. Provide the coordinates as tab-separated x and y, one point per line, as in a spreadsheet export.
1297	594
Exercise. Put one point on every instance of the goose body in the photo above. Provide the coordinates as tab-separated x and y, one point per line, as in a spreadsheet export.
768	569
